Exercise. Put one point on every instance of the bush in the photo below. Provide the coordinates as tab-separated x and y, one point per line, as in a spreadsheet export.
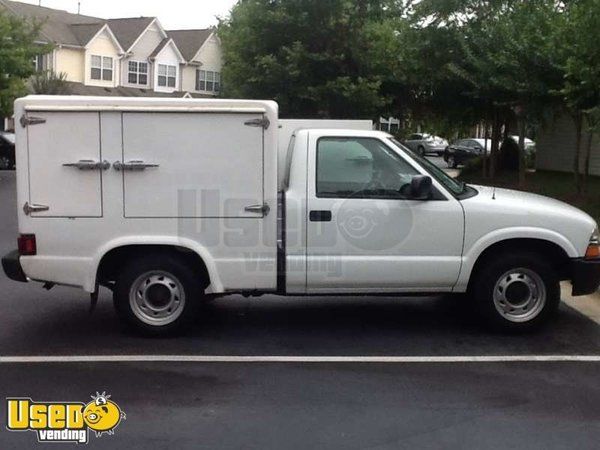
508	159
472	167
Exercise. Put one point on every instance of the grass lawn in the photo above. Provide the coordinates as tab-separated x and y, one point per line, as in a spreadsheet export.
552	184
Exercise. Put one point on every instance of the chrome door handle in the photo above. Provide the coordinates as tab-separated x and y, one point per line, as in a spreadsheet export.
29	208
134	165
258	209
89	164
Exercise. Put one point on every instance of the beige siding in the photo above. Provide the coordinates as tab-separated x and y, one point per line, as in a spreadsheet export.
211	58
188	78
556	147
71	62
140	52
102	45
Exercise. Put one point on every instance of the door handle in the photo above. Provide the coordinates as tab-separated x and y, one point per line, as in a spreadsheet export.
29	208
320	216
134	165
258	209
89	164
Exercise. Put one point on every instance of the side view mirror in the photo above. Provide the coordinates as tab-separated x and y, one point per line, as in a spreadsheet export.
421	187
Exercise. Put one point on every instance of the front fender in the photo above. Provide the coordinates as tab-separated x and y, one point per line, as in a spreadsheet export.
471	254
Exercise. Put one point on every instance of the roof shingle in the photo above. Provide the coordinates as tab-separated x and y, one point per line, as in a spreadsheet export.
189	41
127	30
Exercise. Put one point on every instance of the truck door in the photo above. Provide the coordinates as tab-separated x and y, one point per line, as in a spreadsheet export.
362	236
65	164
172	161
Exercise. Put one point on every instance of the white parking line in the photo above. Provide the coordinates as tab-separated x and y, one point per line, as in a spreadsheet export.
298	359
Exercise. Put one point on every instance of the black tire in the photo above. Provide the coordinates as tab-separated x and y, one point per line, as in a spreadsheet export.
189	290
492	271
421	150
452	162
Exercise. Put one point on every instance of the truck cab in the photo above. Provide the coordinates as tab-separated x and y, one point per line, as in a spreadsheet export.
168	203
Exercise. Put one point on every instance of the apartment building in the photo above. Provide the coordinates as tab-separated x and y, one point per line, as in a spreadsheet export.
126	56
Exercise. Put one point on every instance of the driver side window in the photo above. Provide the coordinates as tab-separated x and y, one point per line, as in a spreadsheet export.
360	168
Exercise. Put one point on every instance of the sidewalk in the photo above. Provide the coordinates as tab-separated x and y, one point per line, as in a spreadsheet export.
588	305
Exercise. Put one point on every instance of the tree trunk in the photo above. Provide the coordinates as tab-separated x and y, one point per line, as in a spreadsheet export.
522	164
495	144
588	154
484	159
576	172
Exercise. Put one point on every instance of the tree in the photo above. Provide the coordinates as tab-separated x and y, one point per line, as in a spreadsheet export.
581	90
510	59
17	51
311	56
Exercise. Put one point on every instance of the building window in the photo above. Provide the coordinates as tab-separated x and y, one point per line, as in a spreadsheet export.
102	68
208	81
167	75
138	72
38	63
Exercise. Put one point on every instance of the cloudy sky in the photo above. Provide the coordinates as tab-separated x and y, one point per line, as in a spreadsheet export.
173	14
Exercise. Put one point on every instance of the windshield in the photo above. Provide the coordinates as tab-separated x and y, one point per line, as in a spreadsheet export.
454	186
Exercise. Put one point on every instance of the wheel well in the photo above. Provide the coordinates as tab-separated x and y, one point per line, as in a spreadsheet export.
111	262
551	252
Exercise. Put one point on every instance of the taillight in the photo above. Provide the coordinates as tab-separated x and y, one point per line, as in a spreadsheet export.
27	245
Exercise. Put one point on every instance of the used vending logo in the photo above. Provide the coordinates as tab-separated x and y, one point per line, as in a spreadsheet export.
64	421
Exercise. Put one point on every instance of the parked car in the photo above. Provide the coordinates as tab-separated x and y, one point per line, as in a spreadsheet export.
350	212
424	144
529	145
7	150
464	150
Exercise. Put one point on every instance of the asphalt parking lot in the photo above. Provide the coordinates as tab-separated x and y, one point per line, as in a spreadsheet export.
304	397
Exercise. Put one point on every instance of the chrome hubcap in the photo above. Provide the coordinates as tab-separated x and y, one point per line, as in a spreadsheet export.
519	295
157	298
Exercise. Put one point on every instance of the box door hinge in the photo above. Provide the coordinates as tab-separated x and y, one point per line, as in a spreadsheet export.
262	122
26	120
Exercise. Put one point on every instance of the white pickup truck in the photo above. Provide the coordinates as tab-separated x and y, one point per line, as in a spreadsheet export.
171	202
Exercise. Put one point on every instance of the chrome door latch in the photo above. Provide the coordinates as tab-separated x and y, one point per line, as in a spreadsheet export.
262	123
135	165
29	208
258	209
89	164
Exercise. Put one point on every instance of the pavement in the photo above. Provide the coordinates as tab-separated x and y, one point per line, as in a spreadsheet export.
297	373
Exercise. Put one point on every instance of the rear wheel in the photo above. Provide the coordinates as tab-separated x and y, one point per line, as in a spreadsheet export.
451	162
516	291
157	294
421	150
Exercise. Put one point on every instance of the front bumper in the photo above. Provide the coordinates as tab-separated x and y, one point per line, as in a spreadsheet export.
12	266
585	276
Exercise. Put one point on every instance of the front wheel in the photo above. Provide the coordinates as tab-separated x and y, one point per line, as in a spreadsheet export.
451	162
421	150
157	294
516	291
6	163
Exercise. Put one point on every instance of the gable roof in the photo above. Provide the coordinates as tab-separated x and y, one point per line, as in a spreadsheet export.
128	29
57	24
190	41
166	41
85	31
62	27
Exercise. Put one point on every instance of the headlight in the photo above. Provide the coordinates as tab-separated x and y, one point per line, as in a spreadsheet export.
593	250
